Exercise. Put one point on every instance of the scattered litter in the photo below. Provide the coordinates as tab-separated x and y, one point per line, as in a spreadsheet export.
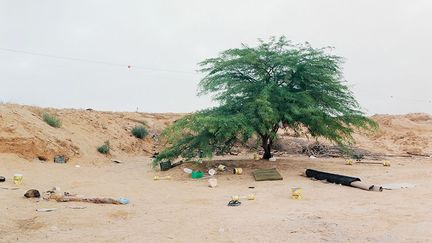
158	178
251	187
9	188
46	209
77	166
395	186
32	193
66	197
212	172
237	171
248	197
272	159
187	170
2	179
197	174
341	179
164	166
296	193
76	207
256	156
18	178
221	167
312	157
348	162
212	183
267	175
177	164
117	161
384	163
60	159
234	203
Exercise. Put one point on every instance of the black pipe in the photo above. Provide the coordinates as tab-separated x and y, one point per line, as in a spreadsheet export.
332	178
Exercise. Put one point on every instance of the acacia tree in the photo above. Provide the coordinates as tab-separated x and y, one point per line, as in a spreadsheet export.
262	89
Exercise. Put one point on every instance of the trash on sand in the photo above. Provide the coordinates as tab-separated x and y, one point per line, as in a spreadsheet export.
248	197
256	156
267	175
164	166
395	186
9	188
272	159
60	159
18	178
32	193
312	157
384	163
296	193
221	167
117	161
234	203
45	209
177	164
212	183
212	172
158	178
197	174
187	170
341	179
2	179
348	162
251	187
66	197
237	171
76	207
77	166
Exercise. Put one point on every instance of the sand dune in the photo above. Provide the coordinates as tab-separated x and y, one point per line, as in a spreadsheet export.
24	133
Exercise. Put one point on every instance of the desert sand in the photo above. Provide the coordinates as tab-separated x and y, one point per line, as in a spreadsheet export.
187	210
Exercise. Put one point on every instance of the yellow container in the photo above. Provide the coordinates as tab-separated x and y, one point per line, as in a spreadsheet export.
238	171
18	178
296	193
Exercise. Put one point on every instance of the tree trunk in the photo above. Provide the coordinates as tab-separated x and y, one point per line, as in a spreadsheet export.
266	145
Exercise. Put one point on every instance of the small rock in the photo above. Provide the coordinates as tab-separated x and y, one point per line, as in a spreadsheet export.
32	193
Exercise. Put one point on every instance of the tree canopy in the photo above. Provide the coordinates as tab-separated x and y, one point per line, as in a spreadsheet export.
262	89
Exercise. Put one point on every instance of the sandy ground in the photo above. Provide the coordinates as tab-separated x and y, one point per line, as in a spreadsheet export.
186	210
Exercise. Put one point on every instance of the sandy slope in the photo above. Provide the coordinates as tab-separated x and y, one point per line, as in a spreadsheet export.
23	132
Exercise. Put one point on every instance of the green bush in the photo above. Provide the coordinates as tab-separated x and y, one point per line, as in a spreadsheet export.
104	149
52	120
139	131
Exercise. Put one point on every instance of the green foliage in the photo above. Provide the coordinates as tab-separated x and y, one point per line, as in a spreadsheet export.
105	148
260	88
52	120
139	131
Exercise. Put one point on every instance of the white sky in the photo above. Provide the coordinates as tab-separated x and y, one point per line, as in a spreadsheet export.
386	43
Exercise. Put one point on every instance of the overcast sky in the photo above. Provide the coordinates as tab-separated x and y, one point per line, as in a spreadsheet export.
387	45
